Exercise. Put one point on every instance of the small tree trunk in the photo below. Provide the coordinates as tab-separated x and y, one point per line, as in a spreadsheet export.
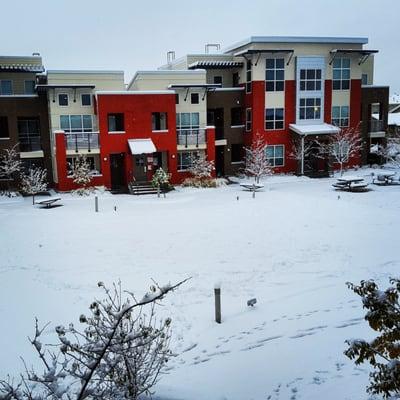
158	190
33	199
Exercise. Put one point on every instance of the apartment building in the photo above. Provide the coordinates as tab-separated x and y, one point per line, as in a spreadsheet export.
23	111
72	109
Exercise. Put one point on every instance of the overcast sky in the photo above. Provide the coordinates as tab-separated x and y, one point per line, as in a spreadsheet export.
131	35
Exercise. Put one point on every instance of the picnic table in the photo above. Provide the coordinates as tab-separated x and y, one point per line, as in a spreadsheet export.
251	186
48	202
384	178
351	183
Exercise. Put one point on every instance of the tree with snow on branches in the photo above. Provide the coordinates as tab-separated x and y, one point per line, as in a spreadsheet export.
10	165
342	146
81	175
34	182
160	180
200	167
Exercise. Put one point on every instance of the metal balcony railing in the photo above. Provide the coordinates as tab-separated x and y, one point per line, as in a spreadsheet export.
376	125
82	141
29	143
191	137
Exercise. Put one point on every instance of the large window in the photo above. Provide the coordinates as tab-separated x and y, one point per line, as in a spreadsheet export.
187	122
275	155
236	116
310	79
185	159
341	74
248	119
274	118
90	161
310	108
248	76
76	123
274	74
6	87
116	122
29	134
29	87
4	134
340	116
159	121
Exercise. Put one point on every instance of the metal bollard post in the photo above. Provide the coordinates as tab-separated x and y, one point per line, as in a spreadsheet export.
217	293
96	204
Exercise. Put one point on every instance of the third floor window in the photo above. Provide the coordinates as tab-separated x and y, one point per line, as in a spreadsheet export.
76	123
6	87
341	74
310	79
274	74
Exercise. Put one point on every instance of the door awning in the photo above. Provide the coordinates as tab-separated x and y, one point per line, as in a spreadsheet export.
141	146
316	129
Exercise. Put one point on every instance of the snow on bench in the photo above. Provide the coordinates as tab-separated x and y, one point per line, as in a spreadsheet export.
251	186
48	202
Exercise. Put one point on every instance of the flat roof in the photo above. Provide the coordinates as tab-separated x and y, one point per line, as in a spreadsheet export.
296	39
77	71
133	92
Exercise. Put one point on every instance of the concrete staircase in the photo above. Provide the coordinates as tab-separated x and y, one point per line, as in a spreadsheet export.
139	188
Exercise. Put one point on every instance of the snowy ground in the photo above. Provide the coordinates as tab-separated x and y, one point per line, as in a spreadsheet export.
293	247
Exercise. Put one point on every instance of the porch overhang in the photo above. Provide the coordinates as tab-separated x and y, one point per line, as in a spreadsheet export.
141	146
249	52
314	130
363	53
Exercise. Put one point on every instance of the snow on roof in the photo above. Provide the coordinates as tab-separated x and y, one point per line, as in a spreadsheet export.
316	129
393	118
141	146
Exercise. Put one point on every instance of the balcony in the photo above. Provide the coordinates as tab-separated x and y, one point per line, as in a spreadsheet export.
191	137
86	141
376	128
29	143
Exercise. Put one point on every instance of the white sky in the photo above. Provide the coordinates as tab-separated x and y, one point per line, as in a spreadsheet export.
131	35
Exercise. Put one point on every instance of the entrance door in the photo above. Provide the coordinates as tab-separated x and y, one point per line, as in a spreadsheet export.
140	168
117	171
219	160
316	164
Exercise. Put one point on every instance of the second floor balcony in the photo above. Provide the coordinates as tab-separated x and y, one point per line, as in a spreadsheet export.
191	137
376	125
78	141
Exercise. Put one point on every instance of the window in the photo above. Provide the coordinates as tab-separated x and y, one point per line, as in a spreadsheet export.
6	88
275	155
310	108
185	159
90	161
218	80
248	119
76	123
194	98
275	74
340	116
310	79
187	122
4	134
236	116
235	79
63	99
159	121
248	76
29	87
364	79
341	74
116	122
29	134
274	118
177	98
86	99
237	153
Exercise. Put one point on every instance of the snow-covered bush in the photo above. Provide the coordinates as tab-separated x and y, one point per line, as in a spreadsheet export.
200	183
389	152
81	175
118	353
161	180
383	352
10	166
34	182
256	163
200	167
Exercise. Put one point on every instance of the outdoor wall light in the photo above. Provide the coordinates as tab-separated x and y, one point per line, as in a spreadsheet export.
173	155
105	159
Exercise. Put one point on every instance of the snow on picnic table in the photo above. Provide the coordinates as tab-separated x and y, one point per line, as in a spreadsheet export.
293	248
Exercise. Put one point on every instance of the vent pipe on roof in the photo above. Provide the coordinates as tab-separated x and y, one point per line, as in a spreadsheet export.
217	46
170	57
36	54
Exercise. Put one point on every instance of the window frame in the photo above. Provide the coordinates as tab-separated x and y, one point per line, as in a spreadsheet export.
75	130
308	80
239	115
274	158
34	84
310	106
241	152
11	86
341	70
249	76
90	100
63	94
249	121
154	114
187	127
219	83
116	131
277	124
179	159
340	118
193	95
4	118
274	71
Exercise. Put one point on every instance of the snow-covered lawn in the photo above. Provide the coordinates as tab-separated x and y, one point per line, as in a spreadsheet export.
293	247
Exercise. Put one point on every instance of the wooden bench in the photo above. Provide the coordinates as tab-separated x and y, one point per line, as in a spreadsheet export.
49	202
